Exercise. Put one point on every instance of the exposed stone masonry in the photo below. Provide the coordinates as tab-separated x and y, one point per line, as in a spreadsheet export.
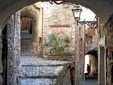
54	14
107	32
13	49
79	54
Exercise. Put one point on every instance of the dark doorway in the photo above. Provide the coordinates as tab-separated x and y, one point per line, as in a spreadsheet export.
4	54
26	28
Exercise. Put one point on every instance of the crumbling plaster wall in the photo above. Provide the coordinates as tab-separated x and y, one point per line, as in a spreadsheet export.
94	34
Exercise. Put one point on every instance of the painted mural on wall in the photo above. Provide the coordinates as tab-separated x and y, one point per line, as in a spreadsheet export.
63	33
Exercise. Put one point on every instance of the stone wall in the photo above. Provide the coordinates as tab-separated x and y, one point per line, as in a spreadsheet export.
13	60
106	30
79	53
94	65
54	14
109	66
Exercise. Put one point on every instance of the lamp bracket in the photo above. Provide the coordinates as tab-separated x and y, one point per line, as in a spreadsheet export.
92	24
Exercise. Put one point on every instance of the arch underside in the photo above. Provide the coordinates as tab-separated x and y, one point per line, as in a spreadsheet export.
103	9
93	52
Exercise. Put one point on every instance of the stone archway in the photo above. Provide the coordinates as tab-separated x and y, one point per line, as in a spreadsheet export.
7	8
93	62
13	38
33	13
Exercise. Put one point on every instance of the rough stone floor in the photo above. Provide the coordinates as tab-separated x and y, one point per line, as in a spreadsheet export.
90	82
37	71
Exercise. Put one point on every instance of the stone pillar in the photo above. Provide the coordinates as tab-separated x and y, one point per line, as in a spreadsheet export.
101	66
13	49
79	57
1	67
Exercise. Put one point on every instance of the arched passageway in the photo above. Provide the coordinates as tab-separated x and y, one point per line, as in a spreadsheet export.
91	67
31	18
7	8
93	62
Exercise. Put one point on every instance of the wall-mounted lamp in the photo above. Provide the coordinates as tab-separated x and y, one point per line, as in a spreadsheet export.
77	13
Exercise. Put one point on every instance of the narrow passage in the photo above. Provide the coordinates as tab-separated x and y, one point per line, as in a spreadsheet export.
90	82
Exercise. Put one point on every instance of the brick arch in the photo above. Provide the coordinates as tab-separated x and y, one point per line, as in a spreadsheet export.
7	8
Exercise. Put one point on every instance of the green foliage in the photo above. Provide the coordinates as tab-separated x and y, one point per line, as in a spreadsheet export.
52	37
58	47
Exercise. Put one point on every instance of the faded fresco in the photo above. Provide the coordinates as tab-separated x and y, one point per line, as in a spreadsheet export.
64	33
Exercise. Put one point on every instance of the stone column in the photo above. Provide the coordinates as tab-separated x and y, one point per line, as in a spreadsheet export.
101	66
78	57
13	49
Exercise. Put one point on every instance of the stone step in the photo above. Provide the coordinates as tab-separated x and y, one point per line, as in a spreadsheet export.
35	60
26	36
28	52
44	75
26	42
32	81
40	72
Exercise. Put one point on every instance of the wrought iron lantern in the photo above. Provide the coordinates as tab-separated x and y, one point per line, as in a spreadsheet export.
77	12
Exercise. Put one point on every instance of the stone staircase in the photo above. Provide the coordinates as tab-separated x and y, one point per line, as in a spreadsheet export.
37	71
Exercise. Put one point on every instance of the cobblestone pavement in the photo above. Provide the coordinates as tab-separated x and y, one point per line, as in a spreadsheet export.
90	82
